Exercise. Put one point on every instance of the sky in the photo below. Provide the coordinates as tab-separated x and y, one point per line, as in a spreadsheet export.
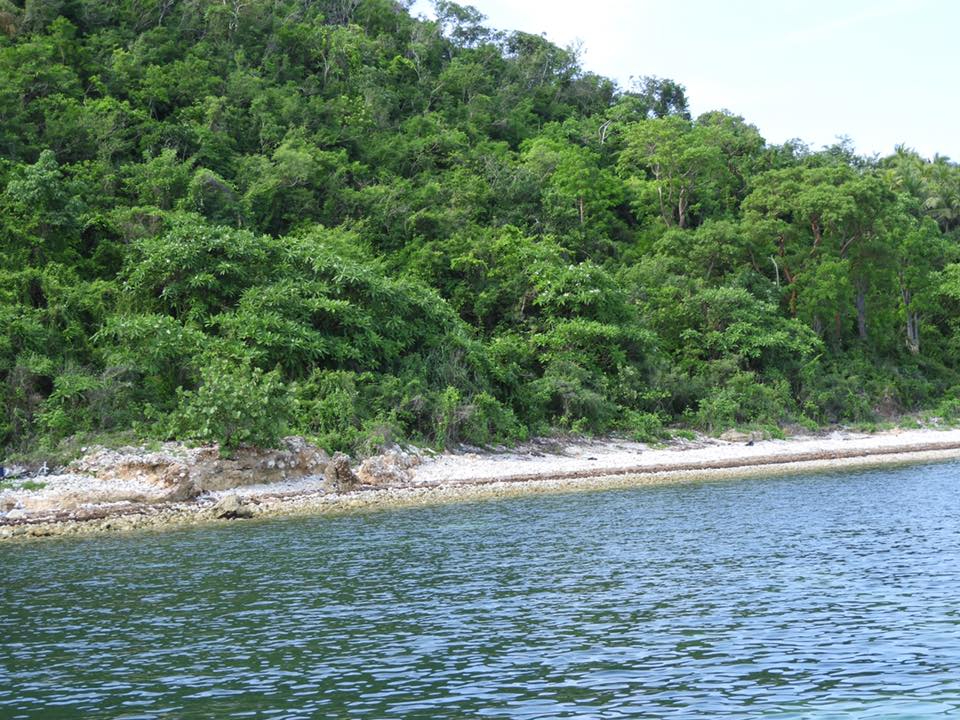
882	72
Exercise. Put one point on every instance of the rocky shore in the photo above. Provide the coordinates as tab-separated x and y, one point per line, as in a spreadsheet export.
172	485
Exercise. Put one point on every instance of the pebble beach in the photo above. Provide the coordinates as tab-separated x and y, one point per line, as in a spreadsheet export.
81	503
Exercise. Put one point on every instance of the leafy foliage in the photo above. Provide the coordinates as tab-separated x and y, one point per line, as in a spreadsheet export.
235	404
230	221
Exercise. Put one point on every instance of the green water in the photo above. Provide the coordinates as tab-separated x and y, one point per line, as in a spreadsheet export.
804	597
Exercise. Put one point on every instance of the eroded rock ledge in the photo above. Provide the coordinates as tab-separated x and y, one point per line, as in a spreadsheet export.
115	490
181	473
134	482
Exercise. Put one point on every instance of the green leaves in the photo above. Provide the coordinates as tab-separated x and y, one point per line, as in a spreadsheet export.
579	194
682	162
431	230
236	404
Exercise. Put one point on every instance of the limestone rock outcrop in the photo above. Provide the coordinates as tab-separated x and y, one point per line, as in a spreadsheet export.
338	474
391	469
231	507
182	473
737	436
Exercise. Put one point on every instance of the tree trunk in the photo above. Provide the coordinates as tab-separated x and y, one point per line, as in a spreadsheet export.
603	131
665	212
817	235
913	333
861	311
913	322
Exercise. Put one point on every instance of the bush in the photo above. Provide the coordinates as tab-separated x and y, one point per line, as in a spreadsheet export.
236	404
948	409
848	391
644	427
566	395
328	408
488	421
743	399
84	402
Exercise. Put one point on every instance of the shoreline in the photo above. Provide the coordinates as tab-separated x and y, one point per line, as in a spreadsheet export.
577	466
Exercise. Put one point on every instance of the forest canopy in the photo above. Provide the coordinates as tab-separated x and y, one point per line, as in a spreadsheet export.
232	220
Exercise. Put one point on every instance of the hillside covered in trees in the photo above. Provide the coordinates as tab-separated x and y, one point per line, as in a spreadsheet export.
235	219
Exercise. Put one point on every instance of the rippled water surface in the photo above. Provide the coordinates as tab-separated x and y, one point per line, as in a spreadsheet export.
820	596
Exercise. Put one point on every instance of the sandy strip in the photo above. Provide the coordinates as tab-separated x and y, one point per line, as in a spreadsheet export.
604	457
580	466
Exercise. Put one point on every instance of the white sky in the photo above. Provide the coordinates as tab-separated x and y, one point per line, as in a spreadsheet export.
883	71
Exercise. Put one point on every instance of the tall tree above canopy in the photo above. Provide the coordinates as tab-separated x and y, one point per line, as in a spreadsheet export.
935	184
818	217
579	195
653	97
677	163
462	24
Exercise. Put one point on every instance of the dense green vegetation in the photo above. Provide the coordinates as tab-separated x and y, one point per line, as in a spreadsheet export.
233	219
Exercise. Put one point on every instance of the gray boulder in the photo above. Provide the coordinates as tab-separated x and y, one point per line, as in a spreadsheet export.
338	474
390	469
231	507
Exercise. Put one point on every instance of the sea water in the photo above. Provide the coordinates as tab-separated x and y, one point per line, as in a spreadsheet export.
827	595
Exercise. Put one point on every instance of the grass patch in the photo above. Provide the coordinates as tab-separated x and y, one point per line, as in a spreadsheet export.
71	448
14	484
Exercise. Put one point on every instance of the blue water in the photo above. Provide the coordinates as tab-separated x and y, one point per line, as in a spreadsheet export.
831	595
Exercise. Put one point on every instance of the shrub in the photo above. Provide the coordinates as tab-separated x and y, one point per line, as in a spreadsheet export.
567	395
644	427
489	421
743	399
83	402
949	408
236	404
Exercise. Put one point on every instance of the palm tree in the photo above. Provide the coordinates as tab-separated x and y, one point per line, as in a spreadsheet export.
942	197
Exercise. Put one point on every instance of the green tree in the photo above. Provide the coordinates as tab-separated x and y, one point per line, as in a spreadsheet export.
668	162
42	214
